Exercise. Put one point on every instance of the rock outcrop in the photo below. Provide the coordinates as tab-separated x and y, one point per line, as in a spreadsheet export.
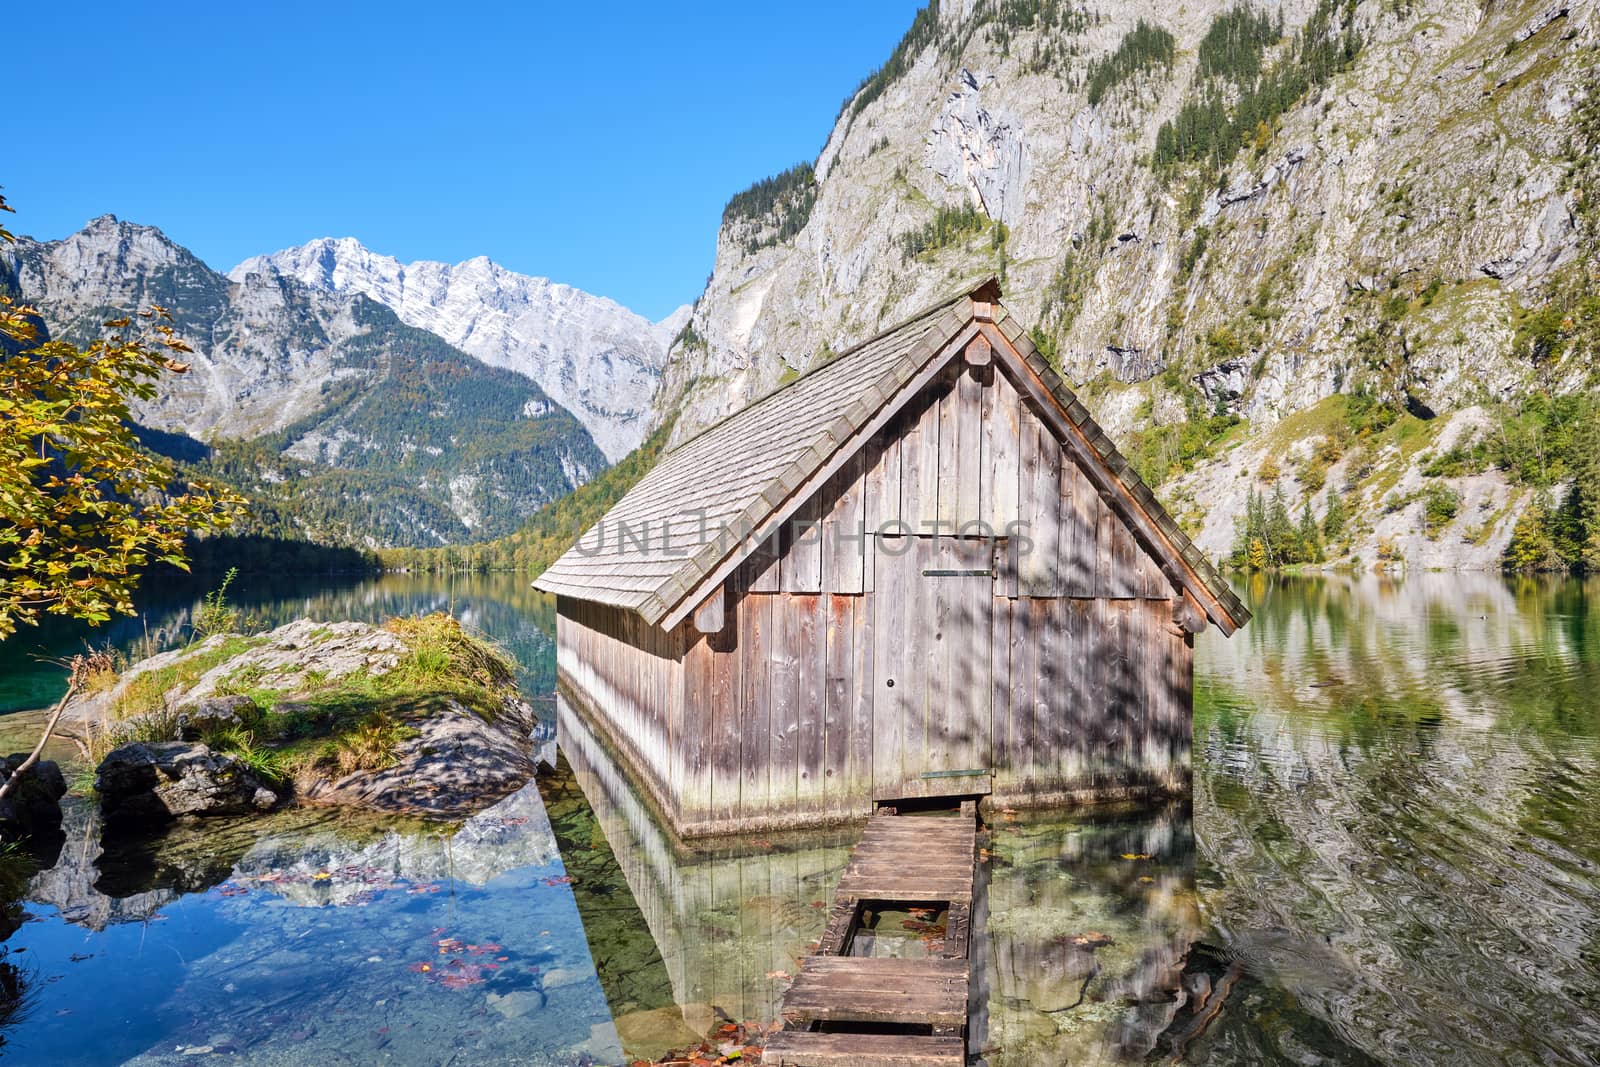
1384	234
455	763
33	807
290	658
445	748
151	783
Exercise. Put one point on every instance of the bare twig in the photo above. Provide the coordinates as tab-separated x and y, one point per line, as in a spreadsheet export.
74	683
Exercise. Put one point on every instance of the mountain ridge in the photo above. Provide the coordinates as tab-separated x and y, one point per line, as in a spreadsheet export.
590	354
321	405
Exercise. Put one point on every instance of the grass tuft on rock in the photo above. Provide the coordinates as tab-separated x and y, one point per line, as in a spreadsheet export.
146	688
444	654
370	746
325	726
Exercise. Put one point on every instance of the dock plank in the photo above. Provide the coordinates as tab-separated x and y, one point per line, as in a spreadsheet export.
929	992
793	1048
910	858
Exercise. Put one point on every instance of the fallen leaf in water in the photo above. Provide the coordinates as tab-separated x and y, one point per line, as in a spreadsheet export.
1146	878
562	879
1092	939
1136	855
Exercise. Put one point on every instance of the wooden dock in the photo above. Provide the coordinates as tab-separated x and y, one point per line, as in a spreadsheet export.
865	1011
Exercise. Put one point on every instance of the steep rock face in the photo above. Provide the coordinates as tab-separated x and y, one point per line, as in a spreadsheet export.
409	440
1383	233
589	354
262	352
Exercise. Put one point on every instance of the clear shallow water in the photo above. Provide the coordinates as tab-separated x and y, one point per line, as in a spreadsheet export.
1393	855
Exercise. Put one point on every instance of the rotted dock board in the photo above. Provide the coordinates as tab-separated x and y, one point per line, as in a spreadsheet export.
925	860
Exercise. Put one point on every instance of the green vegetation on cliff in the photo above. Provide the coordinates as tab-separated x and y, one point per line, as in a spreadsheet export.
779	206
1235	103
1144	48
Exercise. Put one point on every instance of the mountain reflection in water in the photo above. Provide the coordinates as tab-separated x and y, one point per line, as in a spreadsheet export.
1392	855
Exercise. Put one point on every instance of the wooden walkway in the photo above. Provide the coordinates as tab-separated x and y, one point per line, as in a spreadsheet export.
871	1012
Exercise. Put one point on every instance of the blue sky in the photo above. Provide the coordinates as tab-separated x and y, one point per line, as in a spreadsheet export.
595	144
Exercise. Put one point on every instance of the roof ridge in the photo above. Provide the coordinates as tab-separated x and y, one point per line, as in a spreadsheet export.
925	313
739	473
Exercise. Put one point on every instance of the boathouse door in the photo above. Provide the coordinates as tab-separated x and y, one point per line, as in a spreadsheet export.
932	724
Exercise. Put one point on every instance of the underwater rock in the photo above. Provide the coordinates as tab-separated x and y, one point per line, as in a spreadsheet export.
517	1003
155	782
34	805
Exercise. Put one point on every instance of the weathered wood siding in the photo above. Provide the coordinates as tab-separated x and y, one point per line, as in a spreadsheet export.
632	674
957	610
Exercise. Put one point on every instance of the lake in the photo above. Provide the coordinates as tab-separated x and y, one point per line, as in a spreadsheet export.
1392	855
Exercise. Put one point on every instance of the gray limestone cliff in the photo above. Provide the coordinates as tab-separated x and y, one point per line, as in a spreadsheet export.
1409	199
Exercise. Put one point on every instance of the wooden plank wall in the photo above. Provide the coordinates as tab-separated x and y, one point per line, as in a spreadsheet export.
967	458
632	674
1087	685
785	712
1091	696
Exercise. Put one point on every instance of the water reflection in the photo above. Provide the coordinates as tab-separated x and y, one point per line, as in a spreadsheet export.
314	936
1396	793
728	923
1393	856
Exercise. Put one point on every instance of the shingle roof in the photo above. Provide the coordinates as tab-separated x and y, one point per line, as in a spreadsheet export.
739	471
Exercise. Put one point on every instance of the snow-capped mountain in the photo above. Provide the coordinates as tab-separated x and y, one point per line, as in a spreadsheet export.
329	411
591	355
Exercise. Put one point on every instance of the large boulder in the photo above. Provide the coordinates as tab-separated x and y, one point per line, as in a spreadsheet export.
157	782
33	807
296	657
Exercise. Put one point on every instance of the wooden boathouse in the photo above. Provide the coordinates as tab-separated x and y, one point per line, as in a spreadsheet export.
919	569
